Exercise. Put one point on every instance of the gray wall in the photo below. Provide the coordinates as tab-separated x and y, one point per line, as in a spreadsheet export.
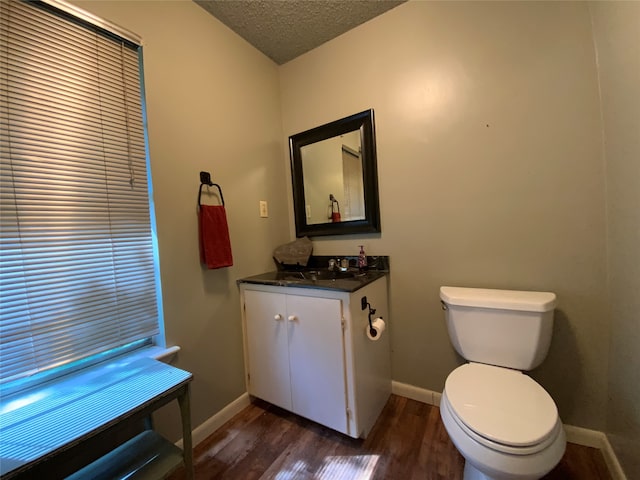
616	27
490	171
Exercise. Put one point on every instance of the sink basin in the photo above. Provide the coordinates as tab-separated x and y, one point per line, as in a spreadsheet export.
328	275
316	275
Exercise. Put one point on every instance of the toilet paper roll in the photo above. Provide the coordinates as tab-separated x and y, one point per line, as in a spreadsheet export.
377	327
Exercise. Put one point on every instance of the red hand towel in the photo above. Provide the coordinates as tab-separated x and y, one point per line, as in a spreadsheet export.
215	246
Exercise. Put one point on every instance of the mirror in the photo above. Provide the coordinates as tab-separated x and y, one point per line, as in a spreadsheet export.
335	178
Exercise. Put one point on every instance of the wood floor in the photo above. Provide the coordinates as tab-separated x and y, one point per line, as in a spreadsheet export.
408	442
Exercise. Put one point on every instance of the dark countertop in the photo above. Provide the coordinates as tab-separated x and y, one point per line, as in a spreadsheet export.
316	274
323	280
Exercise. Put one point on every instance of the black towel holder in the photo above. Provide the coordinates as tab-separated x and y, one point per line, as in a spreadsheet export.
205	179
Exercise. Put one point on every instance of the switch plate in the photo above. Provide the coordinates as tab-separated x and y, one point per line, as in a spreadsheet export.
264	211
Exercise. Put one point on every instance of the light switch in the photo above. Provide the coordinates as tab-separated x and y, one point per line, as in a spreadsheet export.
264	212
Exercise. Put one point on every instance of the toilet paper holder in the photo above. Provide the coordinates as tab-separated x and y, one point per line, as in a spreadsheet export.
372	311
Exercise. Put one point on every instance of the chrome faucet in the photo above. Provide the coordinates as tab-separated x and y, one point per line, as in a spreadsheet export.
342	265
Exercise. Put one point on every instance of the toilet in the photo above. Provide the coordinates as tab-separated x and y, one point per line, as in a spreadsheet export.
504	424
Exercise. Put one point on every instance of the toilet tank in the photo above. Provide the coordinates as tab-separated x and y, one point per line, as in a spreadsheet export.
507	328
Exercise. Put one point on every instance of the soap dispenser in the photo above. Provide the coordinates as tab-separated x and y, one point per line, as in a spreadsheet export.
362	259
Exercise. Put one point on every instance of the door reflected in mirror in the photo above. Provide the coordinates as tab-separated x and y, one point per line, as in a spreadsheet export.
335	184
333	179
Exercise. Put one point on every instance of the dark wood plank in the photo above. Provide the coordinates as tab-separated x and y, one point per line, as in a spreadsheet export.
580	462
408	441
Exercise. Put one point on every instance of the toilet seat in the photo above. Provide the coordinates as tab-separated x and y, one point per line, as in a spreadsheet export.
501	408
499	447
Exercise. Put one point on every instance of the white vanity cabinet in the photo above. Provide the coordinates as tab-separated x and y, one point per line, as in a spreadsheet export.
306	350
295	353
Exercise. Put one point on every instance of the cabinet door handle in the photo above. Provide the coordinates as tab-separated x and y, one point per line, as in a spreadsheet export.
277	316
292	318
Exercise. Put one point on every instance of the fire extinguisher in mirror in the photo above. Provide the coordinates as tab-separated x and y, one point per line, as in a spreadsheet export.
334	209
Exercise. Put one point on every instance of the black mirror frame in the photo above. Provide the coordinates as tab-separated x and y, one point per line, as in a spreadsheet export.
362	121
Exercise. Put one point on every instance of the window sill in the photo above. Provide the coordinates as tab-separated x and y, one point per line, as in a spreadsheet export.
163	354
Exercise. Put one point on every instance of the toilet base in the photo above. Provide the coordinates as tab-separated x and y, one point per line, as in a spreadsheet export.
472	473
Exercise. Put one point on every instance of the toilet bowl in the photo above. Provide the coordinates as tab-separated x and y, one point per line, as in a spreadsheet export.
502	422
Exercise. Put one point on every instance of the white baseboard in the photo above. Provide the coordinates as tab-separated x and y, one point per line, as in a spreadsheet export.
577	435
585	436
612	461
214	422
416	393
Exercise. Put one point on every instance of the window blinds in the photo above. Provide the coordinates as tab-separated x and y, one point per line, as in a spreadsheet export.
77	265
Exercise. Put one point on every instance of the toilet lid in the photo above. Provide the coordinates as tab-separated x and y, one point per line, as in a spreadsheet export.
500	404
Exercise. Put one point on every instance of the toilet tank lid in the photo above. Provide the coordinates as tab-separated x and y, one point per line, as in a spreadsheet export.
499	299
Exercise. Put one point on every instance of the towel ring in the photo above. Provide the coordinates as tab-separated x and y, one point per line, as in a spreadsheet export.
205	179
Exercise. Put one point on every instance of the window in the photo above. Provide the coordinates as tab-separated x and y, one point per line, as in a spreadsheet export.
78	267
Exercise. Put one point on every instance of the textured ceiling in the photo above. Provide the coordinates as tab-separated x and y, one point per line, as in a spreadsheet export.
285	29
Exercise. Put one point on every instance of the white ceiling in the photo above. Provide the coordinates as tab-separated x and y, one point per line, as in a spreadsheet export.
285	29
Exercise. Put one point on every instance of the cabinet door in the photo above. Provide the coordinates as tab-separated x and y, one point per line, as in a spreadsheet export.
316	360
267	344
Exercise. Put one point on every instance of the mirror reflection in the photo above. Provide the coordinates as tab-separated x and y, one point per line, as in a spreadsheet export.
333	179
334	173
